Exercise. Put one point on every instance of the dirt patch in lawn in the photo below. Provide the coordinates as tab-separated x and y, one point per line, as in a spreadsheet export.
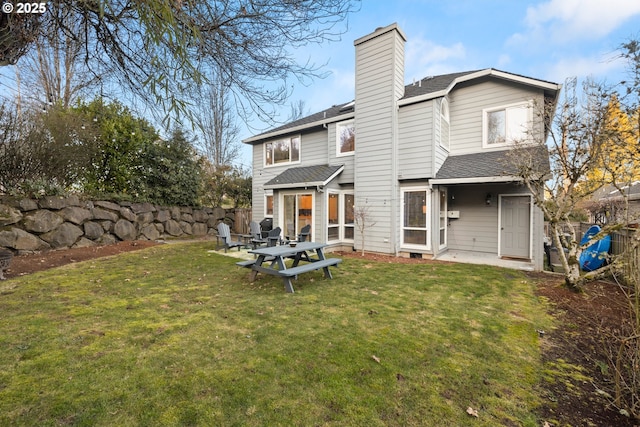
584	321
27	264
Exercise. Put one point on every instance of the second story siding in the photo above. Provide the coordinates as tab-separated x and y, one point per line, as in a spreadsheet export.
415	141
467	103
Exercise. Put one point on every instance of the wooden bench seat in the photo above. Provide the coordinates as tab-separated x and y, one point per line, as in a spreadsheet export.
315	265
246	264
251	262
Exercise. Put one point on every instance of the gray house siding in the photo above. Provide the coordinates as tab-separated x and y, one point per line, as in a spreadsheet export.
415	146
477	228
313	151
466	105
379	84
347	176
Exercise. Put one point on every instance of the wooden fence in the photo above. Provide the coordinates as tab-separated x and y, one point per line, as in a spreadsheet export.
241	220
619	241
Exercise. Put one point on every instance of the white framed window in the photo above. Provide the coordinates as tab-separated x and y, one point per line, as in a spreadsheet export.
415	218
506	125
286	150
444	123
333	217
268	204
346	138
340	218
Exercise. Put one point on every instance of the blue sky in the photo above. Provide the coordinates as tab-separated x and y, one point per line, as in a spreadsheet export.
550	40
547	39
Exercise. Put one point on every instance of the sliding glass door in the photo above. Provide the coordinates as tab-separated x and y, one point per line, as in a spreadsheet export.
297	212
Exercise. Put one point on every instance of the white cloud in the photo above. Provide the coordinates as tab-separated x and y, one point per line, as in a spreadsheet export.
503	61
595	67
564	21
424	57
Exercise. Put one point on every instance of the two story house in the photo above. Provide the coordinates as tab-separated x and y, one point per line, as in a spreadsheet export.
425	165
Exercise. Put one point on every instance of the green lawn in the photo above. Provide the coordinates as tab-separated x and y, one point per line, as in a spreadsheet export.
176	335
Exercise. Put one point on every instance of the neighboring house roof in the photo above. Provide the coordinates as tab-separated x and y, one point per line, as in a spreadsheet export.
483	166
609	192
422	90
305	176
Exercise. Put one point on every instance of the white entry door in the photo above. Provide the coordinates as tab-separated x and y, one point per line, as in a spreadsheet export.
515	226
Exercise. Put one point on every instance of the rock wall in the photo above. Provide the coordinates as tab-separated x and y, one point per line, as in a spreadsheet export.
28	225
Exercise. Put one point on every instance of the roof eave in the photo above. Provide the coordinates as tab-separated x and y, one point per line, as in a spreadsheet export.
305	184
265	136
478	74
475	180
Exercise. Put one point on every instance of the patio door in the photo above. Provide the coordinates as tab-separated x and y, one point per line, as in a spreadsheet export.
297	212
515	226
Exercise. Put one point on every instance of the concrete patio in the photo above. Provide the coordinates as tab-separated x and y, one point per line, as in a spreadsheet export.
485	259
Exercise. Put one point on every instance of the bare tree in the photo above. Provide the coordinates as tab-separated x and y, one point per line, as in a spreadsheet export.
216	119
54	72
298	110
577	135
156	49
362	218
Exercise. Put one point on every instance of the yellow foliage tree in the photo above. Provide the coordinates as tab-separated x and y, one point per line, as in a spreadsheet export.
618	162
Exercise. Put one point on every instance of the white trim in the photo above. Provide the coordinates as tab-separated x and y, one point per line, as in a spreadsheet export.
475	180
447	119
266	195
339	224
506	108
290	162
445	191
281	195
305	185
500	196
337	139
482	73
341	217
428	224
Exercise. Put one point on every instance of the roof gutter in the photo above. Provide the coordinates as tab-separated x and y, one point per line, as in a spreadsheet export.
475	180
298	128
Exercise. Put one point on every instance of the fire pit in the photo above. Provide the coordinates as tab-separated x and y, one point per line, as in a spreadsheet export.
5	260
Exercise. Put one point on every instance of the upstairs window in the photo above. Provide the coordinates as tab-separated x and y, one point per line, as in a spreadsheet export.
346	138
506	125
286	150
444	123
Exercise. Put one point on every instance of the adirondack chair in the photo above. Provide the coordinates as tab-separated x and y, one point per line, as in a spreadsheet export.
224	233
304	233
255	230
271	240
274	236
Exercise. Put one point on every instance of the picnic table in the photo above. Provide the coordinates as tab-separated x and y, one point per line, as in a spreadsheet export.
271	260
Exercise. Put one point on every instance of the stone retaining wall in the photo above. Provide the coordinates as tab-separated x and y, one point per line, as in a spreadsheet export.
28	225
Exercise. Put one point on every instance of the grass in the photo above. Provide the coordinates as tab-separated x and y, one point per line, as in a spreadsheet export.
176	335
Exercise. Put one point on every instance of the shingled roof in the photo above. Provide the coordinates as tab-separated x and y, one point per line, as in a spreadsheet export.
490	164
305	176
